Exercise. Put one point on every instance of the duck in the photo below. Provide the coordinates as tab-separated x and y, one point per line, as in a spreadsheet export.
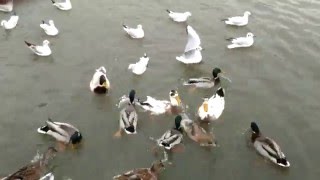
238	20
205	82
11	23
99	83
135	33
197	133
172	137
6	6
50	29
157	107
40	50
128	117
65	6
178	16
151	173
212	108
141	66
267	147
63	132
34	170
192	52
241	41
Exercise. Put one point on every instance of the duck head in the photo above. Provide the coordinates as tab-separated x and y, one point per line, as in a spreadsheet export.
157	167
174	98
250	35
177	122
132	94
76	138
254	127
215	72
247	13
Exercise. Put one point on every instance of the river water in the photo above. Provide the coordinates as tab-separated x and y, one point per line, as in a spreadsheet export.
275	83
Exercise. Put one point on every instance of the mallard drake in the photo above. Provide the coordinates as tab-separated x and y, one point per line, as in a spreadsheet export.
212	108
157	107
128	117
35	170
267	147
197	133
173	136
100	83
62	132
205	82
142	173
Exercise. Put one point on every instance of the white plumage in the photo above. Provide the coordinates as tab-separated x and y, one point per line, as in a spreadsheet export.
141	66
66	5
40	50
11	23
241	41
212	108
135	33
179	17
50	29
238	20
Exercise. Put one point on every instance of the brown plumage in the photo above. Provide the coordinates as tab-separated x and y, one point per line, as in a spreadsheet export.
142	173
34	171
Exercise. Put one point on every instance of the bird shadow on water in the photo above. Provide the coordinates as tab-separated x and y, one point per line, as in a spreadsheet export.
49	59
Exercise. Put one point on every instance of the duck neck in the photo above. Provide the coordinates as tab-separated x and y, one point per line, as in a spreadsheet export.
254	136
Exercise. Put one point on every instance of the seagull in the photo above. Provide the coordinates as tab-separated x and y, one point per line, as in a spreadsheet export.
141	66
50	29
135	33
39	50
241	41
179	17
11	23
62	5
238	20
192	51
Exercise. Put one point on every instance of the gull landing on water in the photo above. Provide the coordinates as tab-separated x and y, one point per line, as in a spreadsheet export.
238	20
179	17
192	51
11	23
135	33
62	5
39	50
241	41
50	29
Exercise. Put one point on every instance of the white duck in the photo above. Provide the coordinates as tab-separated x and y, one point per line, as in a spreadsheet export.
62	5
192	51
136	33
141	66
212	108
238	20
11	23
179	17
157	107
241	41
7	7
267	147
50	29
99	83
39	50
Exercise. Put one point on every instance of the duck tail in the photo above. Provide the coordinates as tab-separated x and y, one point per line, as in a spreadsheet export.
282	161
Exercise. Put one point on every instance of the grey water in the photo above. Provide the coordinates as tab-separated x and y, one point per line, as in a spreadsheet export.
275	83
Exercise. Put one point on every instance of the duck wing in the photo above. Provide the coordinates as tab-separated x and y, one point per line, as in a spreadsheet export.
193	39
271	147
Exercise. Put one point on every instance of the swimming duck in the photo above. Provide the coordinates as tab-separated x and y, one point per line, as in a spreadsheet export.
6	6
205	82
50	29
179	17
66	5
172	137
197	133
141	66
192	51
157	107
128	117
11	23
62	132
99	83
212	108
142	173
238	20
241	41
135	33
267	147
35	170
39	50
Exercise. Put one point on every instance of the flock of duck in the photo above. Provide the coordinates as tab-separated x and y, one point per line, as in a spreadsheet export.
171	141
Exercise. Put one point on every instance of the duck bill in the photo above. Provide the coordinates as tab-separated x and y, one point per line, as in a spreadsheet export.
178	100
205	107
105	84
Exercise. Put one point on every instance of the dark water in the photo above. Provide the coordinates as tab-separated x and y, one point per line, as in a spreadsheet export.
275	82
